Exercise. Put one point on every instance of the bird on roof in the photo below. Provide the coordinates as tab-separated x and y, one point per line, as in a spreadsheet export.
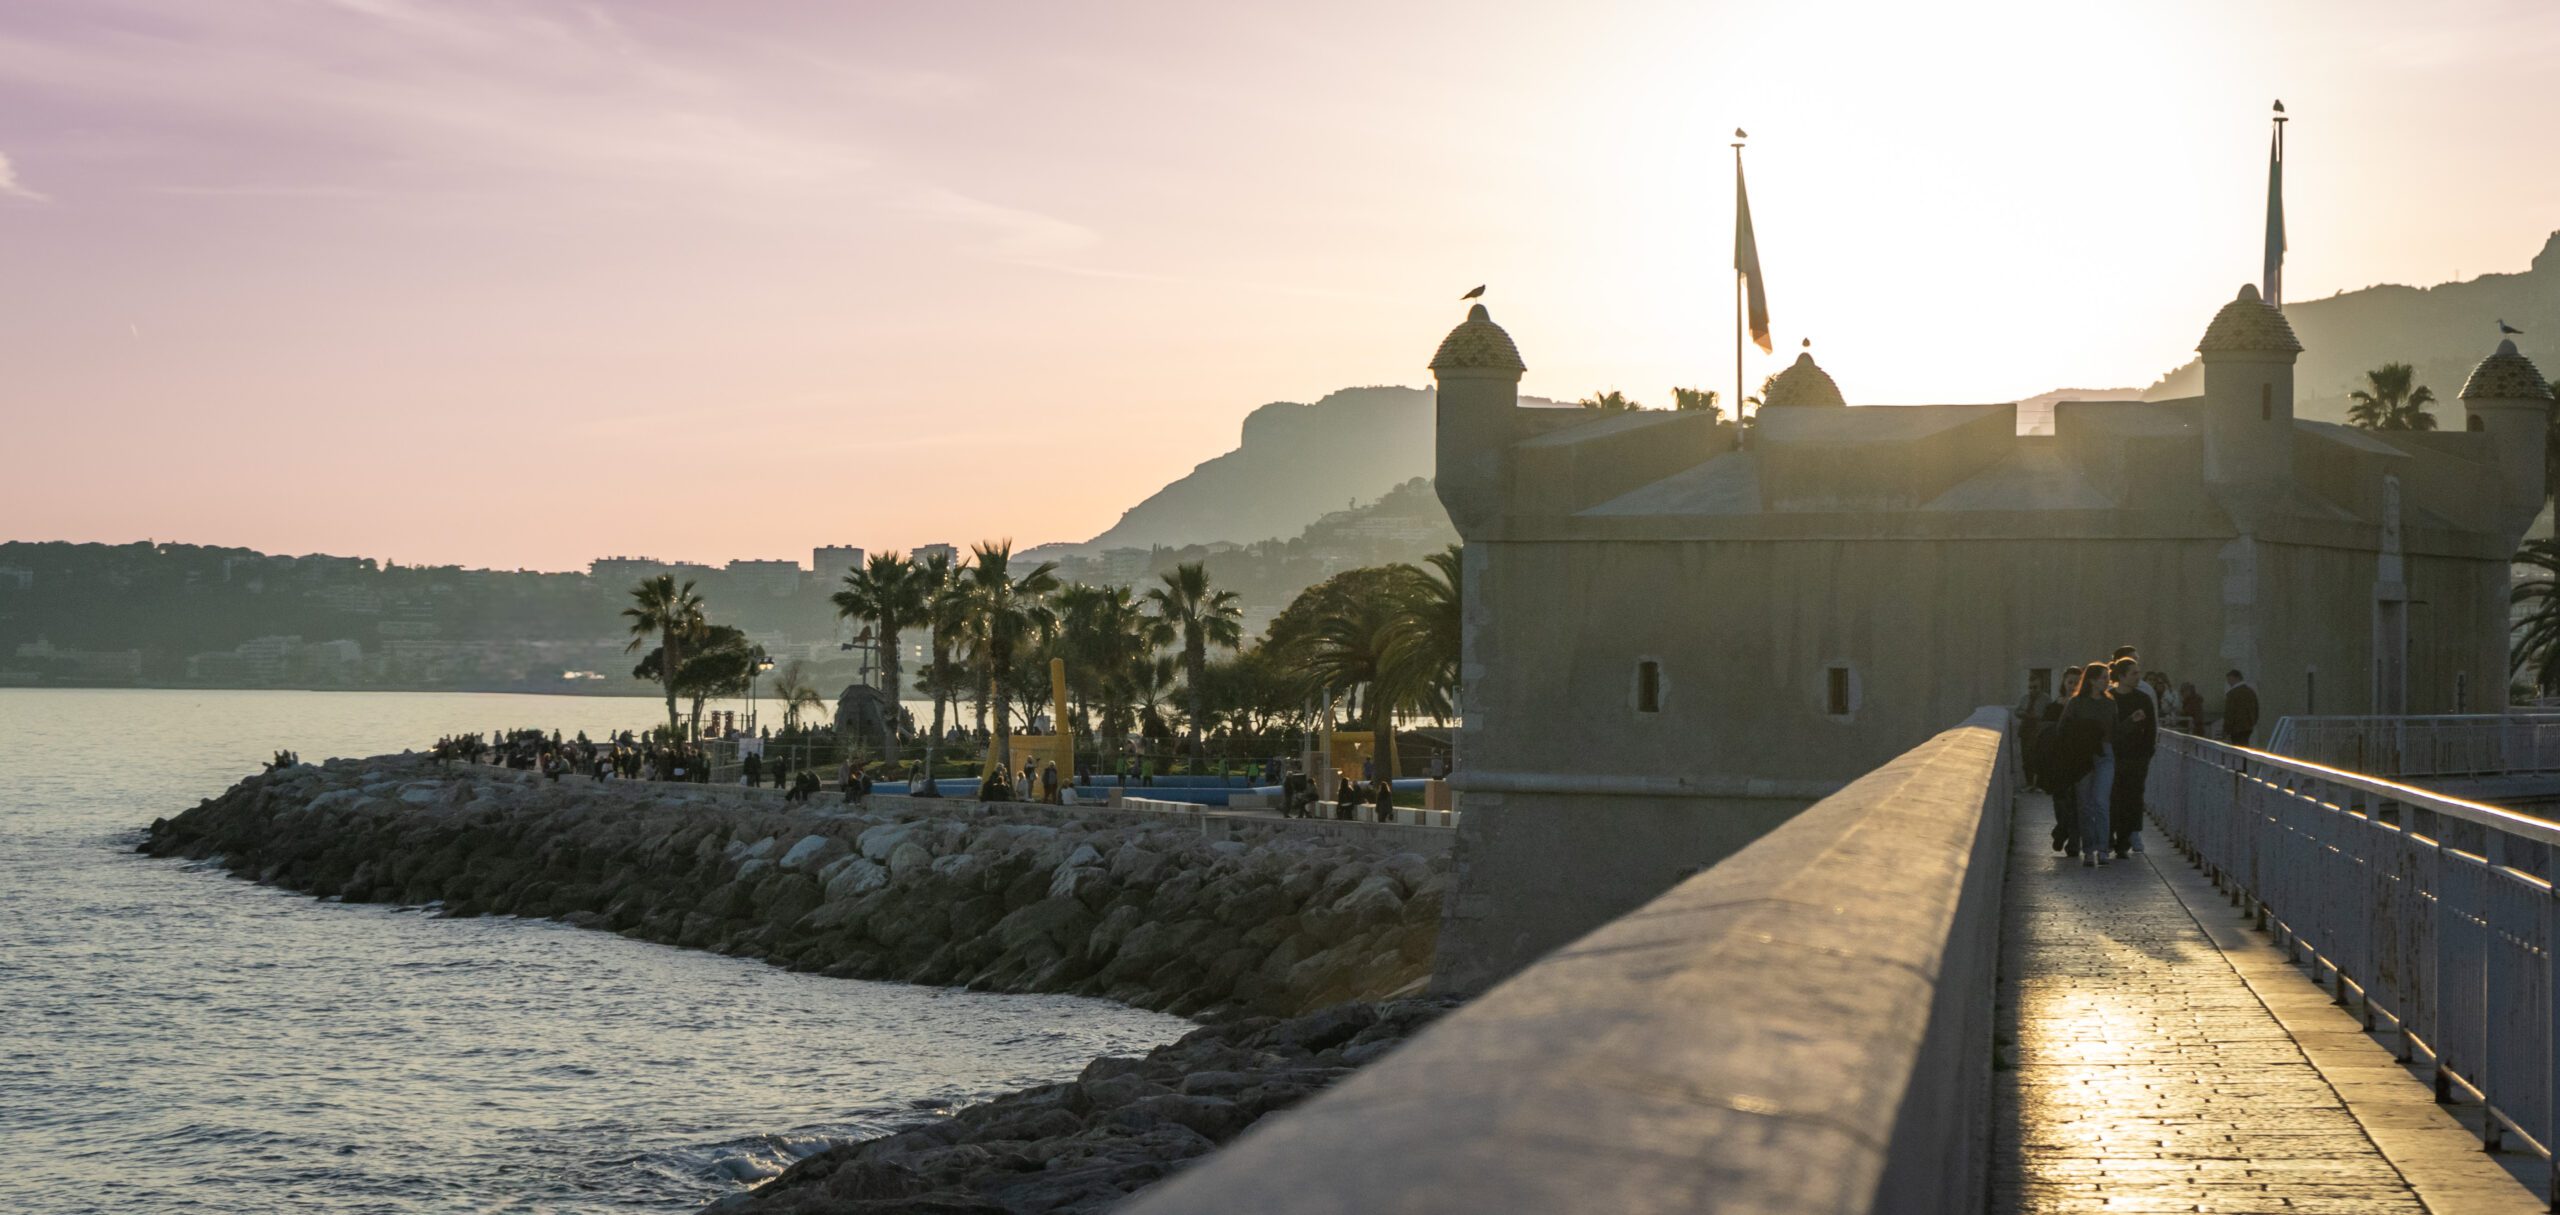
1475	294
2504	327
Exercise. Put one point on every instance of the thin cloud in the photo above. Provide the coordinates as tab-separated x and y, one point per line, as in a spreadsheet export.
10	186
1010	232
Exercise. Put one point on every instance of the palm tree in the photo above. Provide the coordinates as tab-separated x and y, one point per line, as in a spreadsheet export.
890	592
1612	401
1202	617
671	614
2536	649
1424	640
1102	635
945	609
1005	612
1695	400
796	690
2390	402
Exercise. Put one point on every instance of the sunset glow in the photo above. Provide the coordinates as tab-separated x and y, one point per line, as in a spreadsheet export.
479	276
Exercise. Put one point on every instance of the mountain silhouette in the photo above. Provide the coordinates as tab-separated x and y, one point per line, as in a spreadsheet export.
2443	331
1295	463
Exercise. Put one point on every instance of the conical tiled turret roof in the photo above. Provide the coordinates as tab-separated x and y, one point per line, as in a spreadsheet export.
2506	376
1477	344
1802	383
2247	325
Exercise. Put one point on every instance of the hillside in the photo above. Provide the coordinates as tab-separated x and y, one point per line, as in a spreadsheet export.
2443	331
1292	464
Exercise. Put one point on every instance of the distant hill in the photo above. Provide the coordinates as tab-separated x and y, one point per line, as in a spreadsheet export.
2443	331
1293	464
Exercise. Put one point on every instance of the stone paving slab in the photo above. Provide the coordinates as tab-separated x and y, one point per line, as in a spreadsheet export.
2144	1073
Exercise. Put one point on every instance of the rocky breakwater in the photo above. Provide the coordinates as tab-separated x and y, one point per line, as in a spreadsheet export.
1083	1146
997	898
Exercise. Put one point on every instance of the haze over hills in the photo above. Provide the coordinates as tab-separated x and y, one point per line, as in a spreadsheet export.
2443	331
1295	463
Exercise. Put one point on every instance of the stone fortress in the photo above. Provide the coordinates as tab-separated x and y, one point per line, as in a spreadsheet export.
1677	636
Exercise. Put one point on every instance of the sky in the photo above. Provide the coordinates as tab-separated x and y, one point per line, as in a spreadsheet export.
519	283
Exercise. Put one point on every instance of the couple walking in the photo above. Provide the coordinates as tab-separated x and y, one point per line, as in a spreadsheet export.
2100	759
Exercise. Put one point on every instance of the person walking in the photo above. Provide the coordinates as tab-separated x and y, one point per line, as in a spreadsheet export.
2088	723
2030	718
1049	783
753	765
1382	800
2057	768
2136	736
2239	709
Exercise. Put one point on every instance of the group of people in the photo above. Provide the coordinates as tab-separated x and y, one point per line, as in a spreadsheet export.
1037	781
623	756
2091	748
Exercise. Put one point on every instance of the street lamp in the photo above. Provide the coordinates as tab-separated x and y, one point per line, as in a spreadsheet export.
762	665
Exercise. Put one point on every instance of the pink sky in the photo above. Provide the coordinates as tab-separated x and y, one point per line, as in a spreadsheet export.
520	284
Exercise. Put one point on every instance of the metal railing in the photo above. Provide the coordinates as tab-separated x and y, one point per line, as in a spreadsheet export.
2474	744
2437	913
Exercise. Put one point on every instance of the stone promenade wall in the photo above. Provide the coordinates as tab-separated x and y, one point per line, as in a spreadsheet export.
1804	1027
1144	909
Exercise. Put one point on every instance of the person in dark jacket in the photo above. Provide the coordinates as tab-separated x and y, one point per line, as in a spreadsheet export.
2051	771
2239	709
2137	735
2088	723
2031	718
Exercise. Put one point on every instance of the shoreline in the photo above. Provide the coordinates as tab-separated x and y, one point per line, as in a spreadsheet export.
1300	955
1273	918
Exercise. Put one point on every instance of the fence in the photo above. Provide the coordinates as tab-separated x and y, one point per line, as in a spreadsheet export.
2476	744
2438	913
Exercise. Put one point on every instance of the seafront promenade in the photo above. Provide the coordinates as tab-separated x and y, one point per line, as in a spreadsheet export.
1903	1001
2159	1054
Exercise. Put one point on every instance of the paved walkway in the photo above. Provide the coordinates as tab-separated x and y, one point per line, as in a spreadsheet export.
2157	1063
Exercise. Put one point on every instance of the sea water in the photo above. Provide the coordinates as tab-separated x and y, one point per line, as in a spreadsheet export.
176	1039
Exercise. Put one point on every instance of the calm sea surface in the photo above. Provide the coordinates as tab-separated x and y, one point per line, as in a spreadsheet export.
173	1039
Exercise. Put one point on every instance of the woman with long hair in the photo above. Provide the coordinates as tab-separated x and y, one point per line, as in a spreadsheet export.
2089	722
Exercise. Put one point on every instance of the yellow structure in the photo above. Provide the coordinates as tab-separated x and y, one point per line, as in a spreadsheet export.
1057	747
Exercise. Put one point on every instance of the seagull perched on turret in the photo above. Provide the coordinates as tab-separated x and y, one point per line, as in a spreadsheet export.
1479	291
2504	327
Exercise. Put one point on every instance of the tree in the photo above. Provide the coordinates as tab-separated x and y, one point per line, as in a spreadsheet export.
1005	611
890	592
945	609
2536	643
1695	400
1102	635
1612	401
797	691
2390	402
1425	638
1201	616
672	614
2551	452
717	660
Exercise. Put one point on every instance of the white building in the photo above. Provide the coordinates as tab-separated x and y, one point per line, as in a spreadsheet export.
776	578
829	563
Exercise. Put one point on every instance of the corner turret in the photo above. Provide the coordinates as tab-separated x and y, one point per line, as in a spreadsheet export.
1804	382
2507	397
2248	397
1478	370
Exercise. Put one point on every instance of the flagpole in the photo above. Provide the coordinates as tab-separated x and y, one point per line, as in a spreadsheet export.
1741	319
